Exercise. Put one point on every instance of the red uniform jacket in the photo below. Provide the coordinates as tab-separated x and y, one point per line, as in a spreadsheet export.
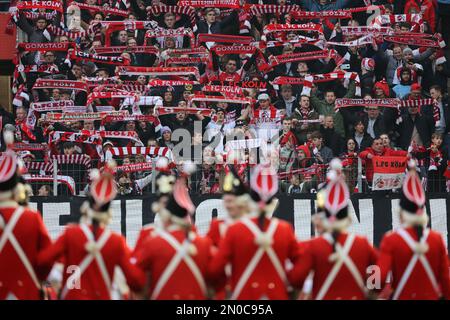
71	246
314	257
31	235
182	283
216	233
395	256
238	248
146	232
386	152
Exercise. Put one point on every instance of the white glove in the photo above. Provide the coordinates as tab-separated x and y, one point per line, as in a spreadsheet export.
410	149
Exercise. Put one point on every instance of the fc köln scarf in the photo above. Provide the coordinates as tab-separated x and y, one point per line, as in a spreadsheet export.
76	137
161	111
170	83
275	27
223	89
83	56
130	135
303	56
388	103
110	95
46	5
66	180
60	84
328	14
186	60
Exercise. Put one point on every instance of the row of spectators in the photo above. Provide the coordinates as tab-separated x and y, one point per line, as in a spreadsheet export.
107	76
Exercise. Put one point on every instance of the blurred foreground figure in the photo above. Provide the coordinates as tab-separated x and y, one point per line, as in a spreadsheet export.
339	259
175	258
257	246
22	235
415	255
89	251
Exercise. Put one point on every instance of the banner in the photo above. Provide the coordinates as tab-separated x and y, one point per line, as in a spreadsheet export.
388	172
372	215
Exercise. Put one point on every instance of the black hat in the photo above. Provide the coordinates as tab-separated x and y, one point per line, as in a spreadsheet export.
180	204
232	184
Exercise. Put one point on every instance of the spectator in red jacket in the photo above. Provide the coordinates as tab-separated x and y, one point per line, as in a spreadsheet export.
377	149
425	7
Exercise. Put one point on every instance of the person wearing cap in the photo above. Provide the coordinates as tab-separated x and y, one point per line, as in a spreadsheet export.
23	235
257	246
416	255
266	119
93	247
338	258
175	257
166	138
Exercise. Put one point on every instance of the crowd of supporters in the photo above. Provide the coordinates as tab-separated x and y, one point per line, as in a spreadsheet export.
292	82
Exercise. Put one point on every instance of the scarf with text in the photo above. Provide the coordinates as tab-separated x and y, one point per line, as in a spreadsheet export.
105	10
223	38
83	56
303	56
234	4
229	99
84	116
121	49
223	89
134	167
159	71
60	84
275	27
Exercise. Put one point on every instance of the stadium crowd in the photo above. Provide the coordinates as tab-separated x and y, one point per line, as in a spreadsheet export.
300	82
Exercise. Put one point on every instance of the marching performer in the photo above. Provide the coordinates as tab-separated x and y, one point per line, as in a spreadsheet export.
237	202
338	258
257	246
164	184
22	235
91	251
415	255
176	258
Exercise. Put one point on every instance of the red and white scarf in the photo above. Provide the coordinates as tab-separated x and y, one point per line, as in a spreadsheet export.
275	27
229	90
105	10
60	84
85	116
186	61
234	4
67	180
151	151
170	83
121	49
35	4
308	81
76	137
134	167
159	71
119	94
303	56
45	46
223	38
160	111
256	9
229	99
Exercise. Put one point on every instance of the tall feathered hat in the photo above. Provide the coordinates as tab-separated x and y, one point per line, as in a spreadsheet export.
10	168
102	190
264	186
412	199
336	200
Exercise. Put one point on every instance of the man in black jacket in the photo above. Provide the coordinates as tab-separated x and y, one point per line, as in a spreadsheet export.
414	129
229	25
377	123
